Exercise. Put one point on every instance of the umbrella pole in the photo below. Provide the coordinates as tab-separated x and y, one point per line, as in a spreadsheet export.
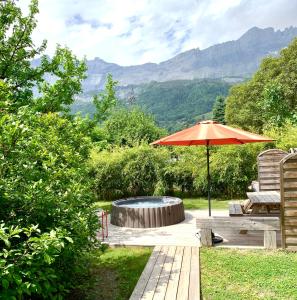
208	179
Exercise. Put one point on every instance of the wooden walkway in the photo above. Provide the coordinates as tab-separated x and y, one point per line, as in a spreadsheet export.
172	273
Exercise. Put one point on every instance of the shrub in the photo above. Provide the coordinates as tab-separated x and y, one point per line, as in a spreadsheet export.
27	262
128	171
286	136
232	168
44	180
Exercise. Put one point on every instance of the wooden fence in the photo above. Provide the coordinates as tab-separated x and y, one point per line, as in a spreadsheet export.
288	189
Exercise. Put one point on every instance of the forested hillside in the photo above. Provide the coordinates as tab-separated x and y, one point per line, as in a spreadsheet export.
177	104
174	104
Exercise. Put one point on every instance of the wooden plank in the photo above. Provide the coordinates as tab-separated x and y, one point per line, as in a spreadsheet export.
290	194
291	231
268	175
272	158
291	248
248	223
290	222
291	240
269	180
235	209
290	204
263	164
172	287
184	279
290	213
290	184
205	236
194	287
165	274
270	239
154	278
271	169
144	278
290	165
270	187
290	174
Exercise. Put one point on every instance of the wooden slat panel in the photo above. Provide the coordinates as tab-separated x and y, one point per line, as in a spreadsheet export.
144	278
172	287
184	280
194	288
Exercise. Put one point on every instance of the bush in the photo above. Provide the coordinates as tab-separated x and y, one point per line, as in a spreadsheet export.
286	136
232	168
128	171
27	262
44	180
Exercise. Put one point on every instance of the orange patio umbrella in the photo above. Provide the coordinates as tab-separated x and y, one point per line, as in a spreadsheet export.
210	133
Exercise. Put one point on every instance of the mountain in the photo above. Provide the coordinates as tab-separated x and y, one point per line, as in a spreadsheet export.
233	61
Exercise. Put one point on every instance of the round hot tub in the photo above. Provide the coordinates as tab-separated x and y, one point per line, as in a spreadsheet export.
147	212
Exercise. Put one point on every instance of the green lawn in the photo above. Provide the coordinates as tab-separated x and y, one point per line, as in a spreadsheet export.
113	274
227	274
189	203
254	274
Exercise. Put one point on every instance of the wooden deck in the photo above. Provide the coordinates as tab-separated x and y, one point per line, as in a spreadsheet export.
172	273
182	234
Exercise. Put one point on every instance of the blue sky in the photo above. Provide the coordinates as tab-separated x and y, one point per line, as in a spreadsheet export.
129	32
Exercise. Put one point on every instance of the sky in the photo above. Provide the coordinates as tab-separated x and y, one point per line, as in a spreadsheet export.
131	32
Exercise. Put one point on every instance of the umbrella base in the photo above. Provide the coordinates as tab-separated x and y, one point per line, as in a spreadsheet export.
216	239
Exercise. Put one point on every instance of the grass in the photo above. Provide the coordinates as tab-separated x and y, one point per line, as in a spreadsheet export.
189	203
226	274
113	274
245	274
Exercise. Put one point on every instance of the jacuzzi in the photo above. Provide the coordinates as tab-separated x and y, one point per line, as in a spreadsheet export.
147	212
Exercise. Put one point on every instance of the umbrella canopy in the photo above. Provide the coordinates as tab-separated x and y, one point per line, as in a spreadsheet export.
210	133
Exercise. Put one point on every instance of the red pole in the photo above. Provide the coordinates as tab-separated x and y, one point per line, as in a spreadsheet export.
102	224
106	215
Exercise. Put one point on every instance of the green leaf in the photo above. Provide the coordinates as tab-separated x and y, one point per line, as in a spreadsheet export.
5	283
69	239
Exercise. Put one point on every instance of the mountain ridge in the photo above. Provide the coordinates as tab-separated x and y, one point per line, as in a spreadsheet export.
238	59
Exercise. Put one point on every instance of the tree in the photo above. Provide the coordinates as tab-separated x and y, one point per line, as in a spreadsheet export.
129	127
46	214
268	96
22	73
106	100
218	110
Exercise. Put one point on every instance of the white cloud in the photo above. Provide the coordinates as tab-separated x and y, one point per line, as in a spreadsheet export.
133	32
